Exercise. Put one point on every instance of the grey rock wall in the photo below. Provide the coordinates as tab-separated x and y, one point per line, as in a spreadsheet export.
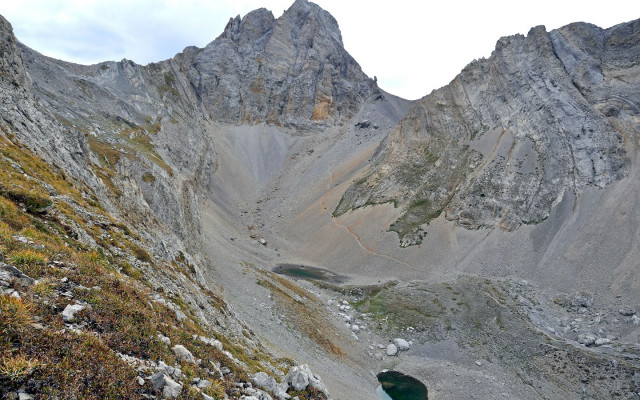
546	114
292	71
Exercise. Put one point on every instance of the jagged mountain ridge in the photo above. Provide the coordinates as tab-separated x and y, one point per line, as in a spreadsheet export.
292	71
500	145
128	107
285	72
204	166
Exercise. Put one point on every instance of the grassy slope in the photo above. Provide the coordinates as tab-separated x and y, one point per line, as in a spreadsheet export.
46	357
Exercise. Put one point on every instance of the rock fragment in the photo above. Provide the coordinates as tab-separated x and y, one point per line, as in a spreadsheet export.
69	312
401	344
183	354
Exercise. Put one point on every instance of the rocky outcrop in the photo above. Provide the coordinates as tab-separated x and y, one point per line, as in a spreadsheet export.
546	114
34	125
299	378
292	71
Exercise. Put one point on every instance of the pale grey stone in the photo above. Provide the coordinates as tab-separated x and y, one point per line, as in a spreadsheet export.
203	383
183	354
586	339
164	339
401	344
602	341
171	389
70	311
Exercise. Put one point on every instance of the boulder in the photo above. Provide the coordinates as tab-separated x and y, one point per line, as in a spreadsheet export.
180	316
211	342
203	383
183	354
627	311
268	383
171	389
262	395
392	350
586	339
69	312
264	381
164	339
8	272
401	344
157	380
299	377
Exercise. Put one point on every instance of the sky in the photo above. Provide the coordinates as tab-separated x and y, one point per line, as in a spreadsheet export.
411	46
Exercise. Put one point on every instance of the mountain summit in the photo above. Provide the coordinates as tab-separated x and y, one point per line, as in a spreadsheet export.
291	71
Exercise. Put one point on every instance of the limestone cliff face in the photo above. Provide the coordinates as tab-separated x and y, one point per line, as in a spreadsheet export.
23	115
502	143
156	120
292	71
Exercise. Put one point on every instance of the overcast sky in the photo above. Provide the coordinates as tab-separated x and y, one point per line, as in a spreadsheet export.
412	46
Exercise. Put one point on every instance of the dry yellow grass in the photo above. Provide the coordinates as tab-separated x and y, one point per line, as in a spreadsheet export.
16	314
17	368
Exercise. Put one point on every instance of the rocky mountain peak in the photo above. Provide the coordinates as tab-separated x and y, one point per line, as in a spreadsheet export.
250	28
510	136
306	16
291	71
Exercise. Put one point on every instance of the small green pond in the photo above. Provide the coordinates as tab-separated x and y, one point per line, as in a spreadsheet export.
398	386
307	272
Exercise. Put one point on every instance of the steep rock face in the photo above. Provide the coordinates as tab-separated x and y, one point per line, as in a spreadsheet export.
501	144
22	115
149	126
605	66
292	71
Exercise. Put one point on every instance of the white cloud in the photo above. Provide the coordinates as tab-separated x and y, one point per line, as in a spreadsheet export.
412	47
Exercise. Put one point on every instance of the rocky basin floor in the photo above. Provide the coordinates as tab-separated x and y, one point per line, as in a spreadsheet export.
480	338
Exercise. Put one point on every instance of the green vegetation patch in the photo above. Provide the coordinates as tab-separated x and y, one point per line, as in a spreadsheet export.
38	351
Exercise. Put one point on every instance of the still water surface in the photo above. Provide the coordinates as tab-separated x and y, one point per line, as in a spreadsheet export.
395	385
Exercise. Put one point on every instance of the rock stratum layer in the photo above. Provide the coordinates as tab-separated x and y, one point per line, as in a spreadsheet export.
546	114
